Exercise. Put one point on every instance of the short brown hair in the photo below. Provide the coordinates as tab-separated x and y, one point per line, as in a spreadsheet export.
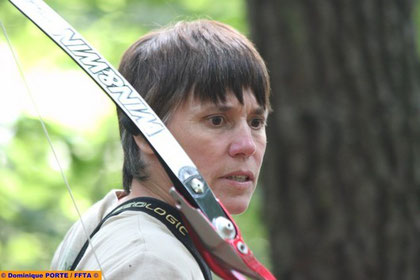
205	58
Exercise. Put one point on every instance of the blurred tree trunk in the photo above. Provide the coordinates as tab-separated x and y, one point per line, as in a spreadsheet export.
342	169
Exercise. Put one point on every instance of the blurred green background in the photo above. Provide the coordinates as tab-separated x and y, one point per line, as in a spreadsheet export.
35	207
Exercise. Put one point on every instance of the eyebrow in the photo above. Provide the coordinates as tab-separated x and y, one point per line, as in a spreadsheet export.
224	108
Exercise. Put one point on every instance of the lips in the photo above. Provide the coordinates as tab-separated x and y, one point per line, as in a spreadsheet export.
240	176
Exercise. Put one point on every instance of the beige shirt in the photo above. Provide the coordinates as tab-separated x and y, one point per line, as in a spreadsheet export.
131	245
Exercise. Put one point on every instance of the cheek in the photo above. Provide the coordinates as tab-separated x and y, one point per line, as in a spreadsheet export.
259	154
203	153
206	161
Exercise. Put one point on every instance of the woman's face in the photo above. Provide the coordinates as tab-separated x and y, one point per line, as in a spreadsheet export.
227	143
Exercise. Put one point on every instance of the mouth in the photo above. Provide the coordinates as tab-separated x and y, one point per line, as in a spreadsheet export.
240	176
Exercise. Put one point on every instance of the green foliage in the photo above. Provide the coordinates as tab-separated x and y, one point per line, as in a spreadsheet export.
35	207
114	24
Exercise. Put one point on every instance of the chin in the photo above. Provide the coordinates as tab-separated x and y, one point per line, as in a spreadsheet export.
236	206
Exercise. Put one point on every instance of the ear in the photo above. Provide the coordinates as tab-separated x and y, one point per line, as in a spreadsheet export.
142	144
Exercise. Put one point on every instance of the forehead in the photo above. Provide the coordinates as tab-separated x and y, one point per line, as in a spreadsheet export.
231	102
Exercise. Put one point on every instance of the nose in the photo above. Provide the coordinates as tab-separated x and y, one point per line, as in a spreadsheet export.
243	143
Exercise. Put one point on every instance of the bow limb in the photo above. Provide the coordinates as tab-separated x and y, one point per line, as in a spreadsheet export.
47	135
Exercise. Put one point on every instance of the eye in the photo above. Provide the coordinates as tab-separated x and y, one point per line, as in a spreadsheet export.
257	123
216	120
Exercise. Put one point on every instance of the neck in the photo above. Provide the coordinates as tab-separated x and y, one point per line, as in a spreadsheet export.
149	189
157	185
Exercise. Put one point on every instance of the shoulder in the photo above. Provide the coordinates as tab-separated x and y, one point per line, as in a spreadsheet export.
150	265
134	243
76	235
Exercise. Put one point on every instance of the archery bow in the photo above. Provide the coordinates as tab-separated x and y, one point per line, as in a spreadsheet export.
213	230
47	135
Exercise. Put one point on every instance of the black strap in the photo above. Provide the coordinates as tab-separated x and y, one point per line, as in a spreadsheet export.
162	211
